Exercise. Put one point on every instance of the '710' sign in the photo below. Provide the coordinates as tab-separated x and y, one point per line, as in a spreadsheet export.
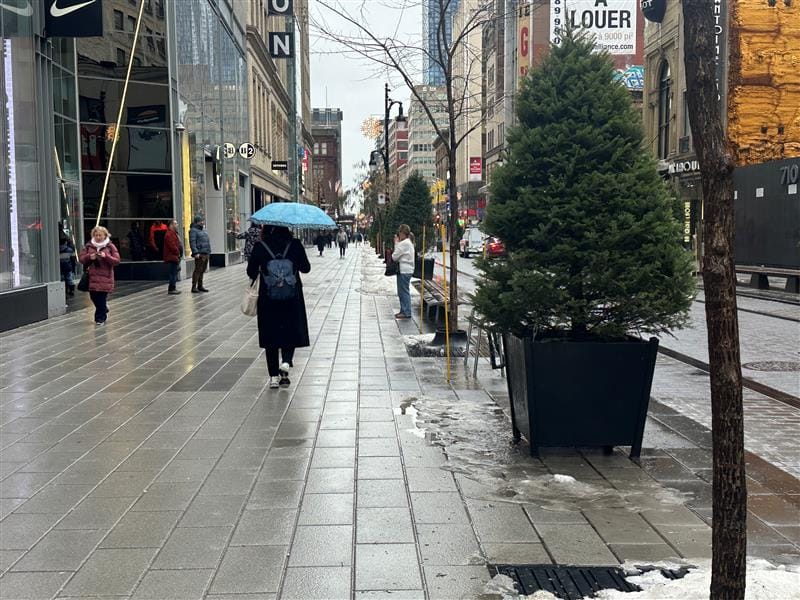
281	43
790	174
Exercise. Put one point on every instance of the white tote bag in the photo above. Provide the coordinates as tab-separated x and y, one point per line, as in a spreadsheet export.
250	298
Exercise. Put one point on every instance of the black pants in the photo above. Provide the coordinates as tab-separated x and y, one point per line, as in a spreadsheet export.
99	299
273	364
342	248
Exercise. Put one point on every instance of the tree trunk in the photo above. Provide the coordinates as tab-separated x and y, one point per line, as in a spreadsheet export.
729	538
452	315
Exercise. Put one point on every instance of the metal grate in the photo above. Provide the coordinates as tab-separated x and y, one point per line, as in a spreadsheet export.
569	583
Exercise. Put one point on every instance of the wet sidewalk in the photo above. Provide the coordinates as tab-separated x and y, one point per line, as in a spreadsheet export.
146	459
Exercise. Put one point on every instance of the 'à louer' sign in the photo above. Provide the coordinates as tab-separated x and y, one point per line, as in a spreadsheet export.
611	22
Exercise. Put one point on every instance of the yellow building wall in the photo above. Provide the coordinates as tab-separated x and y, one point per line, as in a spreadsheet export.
764	81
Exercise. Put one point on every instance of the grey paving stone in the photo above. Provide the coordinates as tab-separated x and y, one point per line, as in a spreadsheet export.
23	485
242	458
122	484
621	526
541	515
55	499
325	458
147	459
644	552
575	544
330	481
438	507
296	430
96	513
501	522
369	414
327	509
284	468
382	492
110	571
20	532
213	511
249	569
383	567
341	408
31	586
390	595
60	551
380	467
181	471
316	583
322	546
672	515
142	530
336	438
448	545
197	449
377	430
691	541
242	597
383	526
275	494
167	496
186	584
228	482
430	480
447	582
337	422
271	526
7	557
516	554
193	548
378	447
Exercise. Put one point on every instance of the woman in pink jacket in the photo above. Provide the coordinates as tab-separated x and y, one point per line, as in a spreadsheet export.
100	257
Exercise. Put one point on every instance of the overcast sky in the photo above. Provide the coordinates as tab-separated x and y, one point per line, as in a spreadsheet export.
354	84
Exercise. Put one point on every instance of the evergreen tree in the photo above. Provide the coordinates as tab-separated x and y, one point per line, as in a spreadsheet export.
413	208
593	244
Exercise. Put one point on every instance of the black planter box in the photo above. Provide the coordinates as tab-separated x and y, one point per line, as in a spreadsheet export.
579	393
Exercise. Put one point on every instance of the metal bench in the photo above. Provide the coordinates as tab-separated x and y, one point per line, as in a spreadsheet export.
432	298
759	276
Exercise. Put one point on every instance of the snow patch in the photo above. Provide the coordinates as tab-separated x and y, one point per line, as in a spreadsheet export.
564	478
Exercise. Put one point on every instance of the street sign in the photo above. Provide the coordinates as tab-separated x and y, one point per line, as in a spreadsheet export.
280	165
247	150
228	150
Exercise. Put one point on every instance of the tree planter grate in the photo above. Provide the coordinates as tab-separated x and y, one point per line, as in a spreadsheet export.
574	583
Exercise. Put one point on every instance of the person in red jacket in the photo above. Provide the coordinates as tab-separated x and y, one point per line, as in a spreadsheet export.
173	251
100	257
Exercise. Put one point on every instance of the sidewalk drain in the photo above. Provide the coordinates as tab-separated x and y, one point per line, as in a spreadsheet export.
573	583
773	365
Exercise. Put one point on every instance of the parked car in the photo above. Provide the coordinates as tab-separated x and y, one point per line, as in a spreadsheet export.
471	242
495	248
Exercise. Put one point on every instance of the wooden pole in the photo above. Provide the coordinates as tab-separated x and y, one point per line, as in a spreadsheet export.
446	311
119	114
422	281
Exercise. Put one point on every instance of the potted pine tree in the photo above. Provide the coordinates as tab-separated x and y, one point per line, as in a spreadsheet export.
594	262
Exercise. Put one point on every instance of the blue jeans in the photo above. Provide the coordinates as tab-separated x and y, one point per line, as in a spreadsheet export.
173	274
403	293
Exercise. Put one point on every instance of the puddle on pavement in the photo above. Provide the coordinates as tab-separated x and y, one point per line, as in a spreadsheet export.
477	438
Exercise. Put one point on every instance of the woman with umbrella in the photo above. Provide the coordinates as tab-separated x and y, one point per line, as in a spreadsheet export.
282	322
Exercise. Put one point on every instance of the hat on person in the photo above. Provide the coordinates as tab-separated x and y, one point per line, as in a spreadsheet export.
198	219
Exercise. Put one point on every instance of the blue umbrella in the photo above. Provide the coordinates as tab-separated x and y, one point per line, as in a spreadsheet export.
293	214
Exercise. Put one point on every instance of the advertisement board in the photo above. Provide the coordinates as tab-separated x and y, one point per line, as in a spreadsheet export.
611	22
475	168
523	40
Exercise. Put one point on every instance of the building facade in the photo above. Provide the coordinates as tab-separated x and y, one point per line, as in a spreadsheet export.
186	98
421	132
398	150
326	129
432	10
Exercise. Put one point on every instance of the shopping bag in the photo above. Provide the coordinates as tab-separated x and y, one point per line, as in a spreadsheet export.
250	299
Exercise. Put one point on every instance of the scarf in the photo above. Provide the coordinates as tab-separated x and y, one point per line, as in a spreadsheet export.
100	245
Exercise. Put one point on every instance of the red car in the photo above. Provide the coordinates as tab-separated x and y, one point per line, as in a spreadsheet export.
495	248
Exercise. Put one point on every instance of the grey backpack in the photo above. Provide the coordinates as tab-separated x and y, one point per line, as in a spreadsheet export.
279	280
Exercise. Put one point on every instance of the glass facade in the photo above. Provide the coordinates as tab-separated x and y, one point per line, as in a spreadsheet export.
212	75
433	74
21	246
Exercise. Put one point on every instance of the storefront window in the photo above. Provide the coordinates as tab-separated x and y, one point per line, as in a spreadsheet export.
20	215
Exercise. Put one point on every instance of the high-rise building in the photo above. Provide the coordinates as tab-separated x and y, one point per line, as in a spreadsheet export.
326	127
431	18
421	132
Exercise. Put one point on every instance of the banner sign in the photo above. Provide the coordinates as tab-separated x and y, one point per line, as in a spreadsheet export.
280	165
475	168
523	41
281	8
611	22
73	18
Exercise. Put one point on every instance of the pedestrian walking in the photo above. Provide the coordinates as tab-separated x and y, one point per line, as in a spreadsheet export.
341	239
99	256
200	245
250	237
173	252
136	242
66	261
319	242
282	323
358	239
403	255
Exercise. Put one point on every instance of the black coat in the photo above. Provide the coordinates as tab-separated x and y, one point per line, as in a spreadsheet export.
281	323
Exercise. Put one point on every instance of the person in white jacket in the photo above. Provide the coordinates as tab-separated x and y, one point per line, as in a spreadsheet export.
403	255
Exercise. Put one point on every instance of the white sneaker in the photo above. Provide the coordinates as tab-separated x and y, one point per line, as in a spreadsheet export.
274	383
284	368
